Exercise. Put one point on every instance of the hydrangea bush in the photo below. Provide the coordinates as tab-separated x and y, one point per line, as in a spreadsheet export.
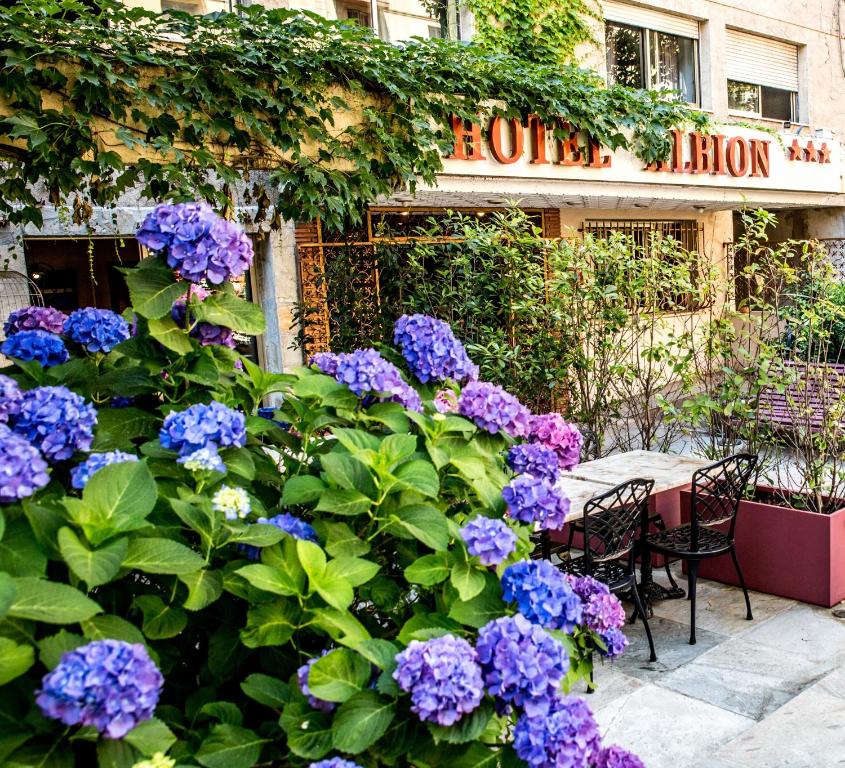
343	580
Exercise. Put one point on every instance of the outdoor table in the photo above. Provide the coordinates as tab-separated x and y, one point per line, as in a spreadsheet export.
670	473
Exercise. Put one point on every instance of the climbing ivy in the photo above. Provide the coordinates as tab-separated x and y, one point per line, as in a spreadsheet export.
97	99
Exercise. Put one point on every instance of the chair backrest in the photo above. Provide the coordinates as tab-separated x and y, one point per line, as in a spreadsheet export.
717	491
612	520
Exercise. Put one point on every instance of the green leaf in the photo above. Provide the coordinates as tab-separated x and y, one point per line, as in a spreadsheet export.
380	652
347	472
20	554
266	690
93	567
228	310
339	675
478	756
484	607
302	489
51	602
424	523
204	587
168	334
228	746
396	448
107	627
161	621
151	736
118	427
354	570
312	558
337	592
467	579
153	289
341	540
428	570
239	462
14	659
343	502
162	556
270	624
420	476
50	649
7	593
275	580
118	498
308	731
224	711
116	754
424	626
360	722
470	727
199	518
341	626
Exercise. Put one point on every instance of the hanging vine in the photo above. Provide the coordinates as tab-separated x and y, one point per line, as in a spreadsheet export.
97	99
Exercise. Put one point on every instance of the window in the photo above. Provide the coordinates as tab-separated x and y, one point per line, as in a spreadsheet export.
358	16
762	76
647	58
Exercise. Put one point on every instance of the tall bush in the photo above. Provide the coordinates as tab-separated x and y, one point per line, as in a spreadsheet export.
188	578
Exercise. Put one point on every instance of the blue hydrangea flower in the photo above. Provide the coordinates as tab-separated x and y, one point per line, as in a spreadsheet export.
616	757
56	421
615	641
521	663
533	459
108	684
290	524
367	373
431	349
203	460
199	244
82	473
334	762
490	540
566	735
555	432
234	503
44	348
302	679
443	677
210	426
121	402
22	469
532	499
325	362
493	409
98	330
35	319
10	398
542	594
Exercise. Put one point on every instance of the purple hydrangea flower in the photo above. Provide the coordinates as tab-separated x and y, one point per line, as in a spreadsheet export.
207	334
82	473
200	245
542	594
22	469
302	679
210	426
98	330
602	610
493	409
555	432
532	499
10	398
616	757
567	735
57	421
334	762
35	319
326	362
533	459
44	348
443	678
446	401
108	684
491	541
121	402
522	664
367	373
615	641
431	349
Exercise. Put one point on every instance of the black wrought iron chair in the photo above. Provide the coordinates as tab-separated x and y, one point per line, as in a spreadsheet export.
716	493
612	524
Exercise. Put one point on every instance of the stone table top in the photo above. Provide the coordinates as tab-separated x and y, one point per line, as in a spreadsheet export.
668	470
579	492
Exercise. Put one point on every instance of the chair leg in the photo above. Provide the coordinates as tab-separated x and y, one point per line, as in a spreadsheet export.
657	520
748	615
571	536
692	574
638	608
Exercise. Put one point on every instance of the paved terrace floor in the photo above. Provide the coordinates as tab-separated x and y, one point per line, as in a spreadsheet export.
767	693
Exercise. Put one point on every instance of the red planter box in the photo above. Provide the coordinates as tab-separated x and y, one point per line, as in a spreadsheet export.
787	552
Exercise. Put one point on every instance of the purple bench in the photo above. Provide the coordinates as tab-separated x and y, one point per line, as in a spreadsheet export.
807	402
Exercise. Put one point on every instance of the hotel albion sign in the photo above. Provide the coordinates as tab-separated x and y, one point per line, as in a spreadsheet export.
508	139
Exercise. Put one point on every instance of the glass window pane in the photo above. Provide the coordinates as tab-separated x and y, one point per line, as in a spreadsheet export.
624	56
672	65
777	103
743	97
